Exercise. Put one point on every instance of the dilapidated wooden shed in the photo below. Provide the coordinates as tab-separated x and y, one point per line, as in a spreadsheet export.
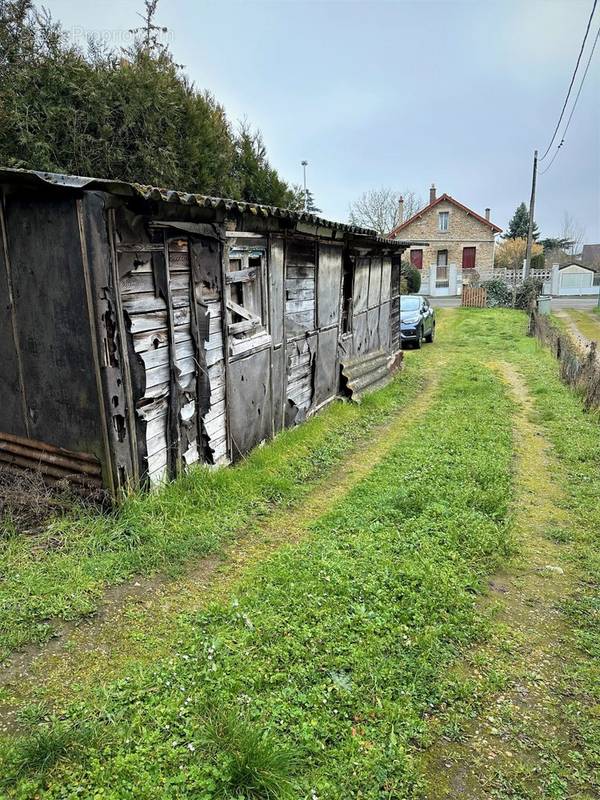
145	330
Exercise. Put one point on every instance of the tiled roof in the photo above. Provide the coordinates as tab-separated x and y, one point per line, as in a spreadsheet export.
449	199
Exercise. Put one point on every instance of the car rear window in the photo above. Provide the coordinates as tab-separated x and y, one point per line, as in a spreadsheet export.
410	303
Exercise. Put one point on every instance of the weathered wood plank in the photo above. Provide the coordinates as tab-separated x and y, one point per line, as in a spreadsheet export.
215	410
141	323
243	327
215	426
241	311
298	306
181	298
297	295
297	271
150	340
142	303
137	282
144	247
241	275
214	356
155	358
239	346
217	393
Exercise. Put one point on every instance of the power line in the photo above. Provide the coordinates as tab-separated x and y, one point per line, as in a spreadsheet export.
587	66
587	30
544	171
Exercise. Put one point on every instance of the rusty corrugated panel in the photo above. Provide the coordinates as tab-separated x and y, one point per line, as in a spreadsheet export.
370	372
56	463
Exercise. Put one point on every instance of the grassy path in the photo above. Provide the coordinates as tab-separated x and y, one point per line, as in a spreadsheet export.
138	619
51	581
416	617
505	745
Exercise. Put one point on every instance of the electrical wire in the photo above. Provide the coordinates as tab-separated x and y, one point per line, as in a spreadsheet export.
587	30
587	66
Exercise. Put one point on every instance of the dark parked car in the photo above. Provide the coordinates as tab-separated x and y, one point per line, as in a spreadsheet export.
417	319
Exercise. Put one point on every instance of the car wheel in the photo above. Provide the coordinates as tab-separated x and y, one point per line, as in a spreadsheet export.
430	336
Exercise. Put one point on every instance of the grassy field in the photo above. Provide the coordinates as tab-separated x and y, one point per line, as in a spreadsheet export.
336	662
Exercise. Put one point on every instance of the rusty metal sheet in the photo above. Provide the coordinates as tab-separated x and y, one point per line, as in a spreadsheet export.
55	462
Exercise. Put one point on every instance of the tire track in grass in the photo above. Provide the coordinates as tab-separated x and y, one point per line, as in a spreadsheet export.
504	746
138	622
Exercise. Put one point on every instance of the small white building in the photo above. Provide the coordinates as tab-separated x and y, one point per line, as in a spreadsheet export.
574	279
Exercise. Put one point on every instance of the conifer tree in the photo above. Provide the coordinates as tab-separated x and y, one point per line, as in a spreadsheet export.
519	224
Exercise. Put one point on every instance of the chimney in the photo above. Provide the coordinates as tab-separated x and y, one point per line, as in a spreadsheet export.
400	210
487	214
432	193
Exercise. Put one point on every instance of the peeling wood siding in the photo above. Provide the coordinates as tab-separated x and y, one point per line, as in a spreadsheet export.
300	379
180	278
146	315
173	383
215	421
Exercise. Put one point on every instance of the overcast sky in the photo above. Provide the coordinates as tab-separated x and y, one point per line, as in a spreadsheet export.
400	93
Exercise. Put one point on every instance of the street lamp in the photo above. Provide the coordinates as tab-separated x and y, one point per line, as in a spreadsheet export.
304	166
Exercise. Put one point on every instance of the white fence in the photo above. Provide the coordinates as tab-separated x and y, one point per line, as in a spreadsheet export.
572	280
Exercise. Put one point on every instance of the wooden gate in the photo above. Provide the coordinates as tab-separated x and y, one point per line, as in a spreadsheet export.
474	297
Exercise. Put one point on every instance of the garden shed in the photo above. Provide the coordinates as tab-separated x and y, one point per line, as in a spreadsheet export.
145	330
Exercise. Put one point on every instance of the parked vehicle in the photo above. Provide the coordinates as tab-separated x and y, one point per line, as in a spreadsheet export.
417	320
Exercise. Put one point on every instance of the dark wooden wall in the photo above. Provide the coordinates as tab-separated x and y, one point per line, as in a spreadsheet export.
49	387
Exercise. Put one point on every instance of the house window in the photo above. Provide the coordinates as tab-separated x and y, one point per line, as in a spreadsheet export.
244	293
416	258
468	257
443	220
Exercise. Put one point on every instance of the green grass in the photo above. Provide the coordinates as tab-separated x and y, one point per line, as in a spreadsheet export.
317	677
587	322
61	573
331	653
575	436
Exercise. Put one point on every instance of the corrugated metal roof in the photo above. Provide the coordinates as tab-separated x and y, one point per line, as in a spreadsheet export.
192	199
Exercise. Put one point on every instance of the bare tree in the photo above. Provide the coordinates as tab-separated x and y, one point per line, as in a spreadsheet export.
573	233
379	209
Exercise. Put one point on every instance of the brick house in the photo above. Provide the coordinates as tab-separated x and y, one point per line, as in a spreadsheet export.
460	245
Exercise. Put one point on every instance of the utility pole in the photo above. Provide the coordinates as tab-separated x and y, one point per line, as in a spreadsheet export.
304	165
531	212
